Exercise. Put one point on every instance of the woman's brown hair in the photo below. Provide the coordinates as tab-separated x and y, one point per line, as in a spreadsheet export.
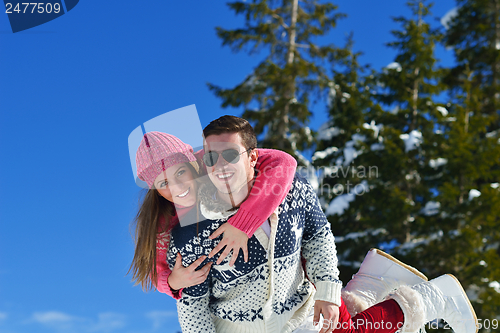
147	228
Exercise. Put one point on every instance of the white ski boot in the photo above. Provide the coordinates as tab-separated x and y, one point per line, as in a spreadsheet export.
379	274
440	298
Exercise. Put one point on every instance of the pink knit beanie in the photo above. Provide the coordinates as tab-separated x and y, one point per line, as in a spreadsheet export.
157	152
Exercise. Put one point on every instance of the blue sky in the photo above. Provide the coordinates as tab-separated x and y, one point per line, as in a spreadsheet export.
71	91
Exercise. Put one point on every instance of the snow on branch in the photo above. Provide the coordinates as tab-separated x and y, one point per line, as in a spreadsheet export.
324	153
448	17
474	194
393	66
412	140
431	208
341	202
436	163
355	235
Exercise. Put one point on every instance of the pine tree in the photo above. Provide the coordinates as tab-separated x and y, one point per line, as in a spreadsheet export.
474	34
465	231
278	94
388	148
467	188
349	98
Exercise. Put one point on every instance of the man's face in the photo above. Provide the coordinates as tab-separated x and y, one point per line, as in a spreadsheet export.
230	177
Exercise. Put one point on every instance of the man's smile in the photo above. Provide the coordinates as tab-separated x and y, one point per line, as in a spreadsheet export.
224	176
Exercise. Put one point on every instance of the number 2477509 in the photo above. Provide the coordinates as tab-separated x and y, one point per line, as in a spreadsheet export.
33	8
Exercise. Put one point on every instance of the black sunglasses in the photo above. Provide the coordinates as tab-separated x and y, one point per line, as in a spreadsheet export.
230	155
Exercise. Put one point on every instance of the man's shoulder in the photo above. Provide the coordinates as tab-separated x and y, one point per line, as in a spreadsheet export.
300	184
299	178
300	196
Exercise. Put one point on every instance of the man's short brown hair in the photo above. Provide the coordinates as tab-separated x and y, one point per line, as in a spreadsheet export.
232	124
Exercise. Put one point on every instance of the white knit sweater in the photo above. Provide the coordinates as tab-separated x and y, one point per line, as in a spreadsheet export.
270	293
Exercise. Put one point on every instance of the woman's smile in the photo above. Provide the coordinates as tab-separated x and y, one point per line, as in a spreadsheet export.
183	194
177	185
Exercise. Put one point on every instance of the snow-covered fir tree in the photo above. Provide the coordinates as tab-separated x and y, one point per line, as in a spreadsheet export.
473	31
467	220
382	148
340	182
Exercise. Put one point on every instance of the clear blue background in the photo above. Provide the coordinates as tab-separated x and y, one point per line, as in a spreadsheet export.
71	91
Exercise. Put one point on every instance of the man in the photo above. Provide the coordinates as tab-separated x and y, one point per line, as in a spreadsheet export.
270	292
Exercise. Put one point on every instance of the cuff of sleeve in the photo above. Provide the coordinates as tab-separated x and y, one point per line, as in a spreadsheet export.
178	294
167	290
163	286
328	291
245	221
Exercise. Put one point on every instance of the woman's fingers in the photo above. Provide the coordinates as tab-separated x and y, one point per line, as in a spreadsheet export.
204	271
236	252
206	268
220	230
223	255
316	315
217	249
196	263
178	261
245	252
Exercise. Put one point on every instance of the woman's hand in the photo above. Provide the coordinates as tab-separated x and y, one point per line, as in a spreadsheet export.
234	240
183	277
330	314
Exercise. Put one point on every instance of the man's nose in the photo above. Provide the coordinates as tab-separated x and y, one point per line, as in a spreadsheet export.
221	162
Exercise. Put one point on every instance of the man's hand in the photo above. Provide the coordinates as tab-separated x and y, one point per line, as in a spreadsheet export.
330	314
183	277
234	240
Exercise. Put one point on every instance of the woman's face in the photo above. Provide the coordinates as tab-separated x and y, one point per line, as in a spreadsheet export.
177	185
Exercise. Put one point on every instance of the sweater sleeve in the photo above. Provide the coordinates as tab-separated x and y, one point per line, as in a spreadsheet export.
319	251
193	306
194	312
163	271
275	172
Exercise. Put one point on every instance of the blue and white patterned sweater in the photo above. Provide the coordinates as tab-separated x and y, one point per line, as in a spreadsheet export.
270	293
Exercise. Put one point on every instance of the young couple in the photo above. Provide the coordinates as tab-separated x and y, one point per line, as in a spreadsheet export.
286	277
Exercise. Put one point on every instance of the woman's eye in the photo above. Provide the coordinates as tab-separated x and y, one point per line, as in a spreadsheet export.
180	173
164	184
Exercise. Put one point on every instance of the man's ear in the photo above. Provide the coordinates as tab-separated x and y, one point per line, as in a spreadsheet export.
254	156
